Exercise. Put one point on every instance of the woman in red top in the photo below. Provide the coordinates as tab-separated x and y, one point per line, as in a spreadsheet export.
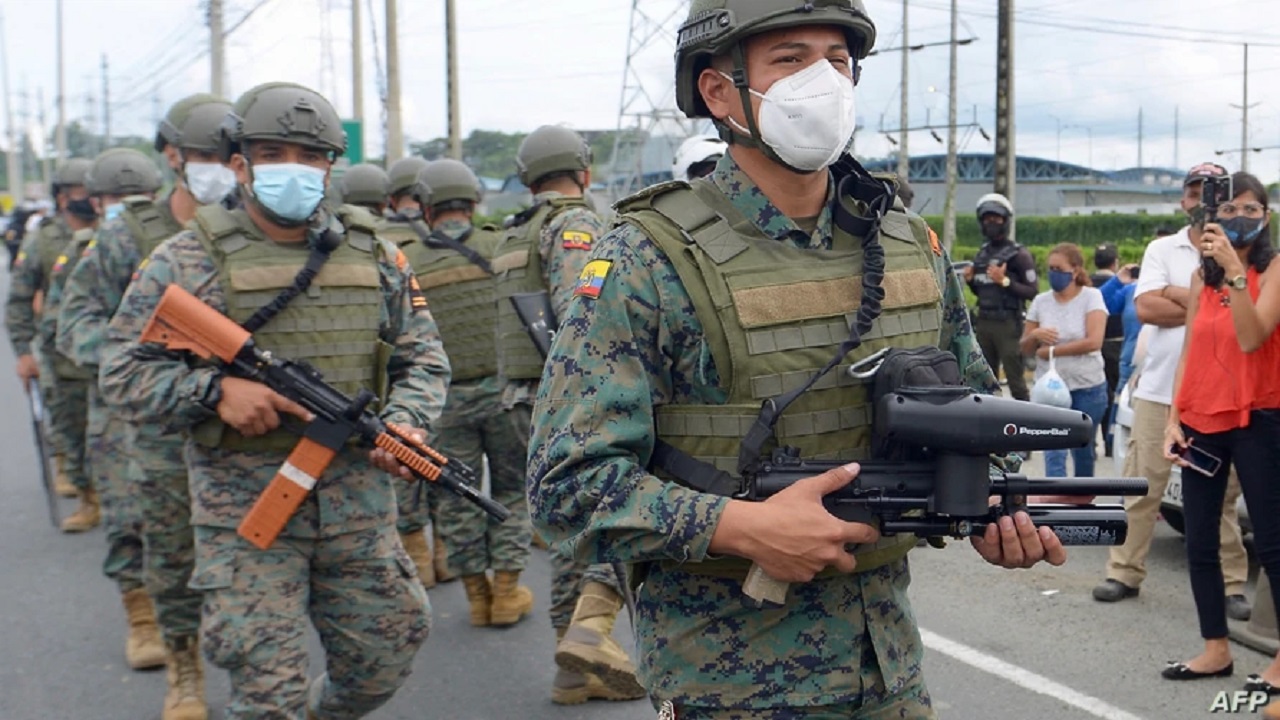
1227	404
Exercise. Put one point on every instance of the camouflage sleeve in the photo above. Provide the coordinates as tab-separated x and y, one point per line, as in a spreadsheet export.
957	333
24	282
565	246
146	382
619	353
93	291
418	368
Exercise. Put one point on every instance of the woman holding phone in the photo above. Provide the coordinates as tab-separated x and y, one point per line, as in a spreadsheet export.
1226	412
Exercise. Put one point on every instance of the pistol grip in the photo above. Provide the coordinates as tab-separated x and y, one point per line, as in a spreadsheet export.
271	512
760	591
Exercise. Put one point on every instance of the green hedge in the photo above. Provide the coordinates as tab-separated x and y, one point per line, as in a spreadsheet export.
1083	230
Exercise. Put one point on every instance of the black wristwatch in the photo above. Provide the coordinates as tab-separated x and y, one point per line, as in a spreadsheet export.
1239	282
212	394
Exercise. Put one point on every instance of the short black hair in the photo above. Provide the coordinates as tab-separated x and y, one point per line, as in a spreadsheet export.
1105	256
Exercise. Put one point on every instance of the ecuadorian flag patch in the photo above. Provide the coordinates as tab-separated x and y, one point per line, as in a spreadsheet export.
60	263
138	272
577	240
591	281
89	248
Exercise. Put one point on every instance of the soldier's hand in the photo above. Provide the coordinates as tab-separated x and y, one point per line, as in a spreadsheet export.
968	274
1018	543
791	536
28	369
995	271
386	461
253	408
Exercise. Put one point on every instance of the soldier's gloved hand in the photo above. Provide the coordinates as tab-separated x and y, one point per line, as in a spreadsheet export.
28	369
1018	543
791	536
386	461
995	271
253	408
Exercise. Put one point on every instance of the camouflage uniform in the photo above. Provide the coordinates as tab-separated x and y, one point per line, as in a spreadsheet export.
844	646
564	246
338	562
157	473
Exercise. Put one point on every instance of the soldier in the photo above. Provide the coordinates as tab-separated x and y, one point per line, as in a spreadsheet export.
697	157
454	270
367	186
705	300
188	138
544	249
1003	276
28	287
363	324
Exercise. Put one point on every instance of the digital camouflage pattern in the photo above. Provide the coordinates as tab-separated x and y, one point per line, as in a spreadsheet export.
360	591
108	454
638	345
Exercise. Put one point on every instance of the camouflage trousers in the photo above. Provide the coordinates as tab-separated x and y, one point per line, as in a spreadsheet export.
472	428
359	590
160	472
567	574
67	403
108	458
417	504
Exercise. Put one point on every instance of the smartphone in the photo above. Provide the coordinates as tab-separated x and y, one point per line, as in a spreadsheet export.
1134	272
1199	460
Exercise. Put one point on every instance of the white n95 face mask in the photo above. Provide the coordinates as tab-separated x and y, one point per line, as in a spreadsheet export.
209	182
807	118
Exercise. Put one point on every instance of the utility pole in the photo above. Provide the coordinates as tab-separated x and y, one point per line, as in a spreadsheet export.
395	135
1006	148
217	47
1140	138
904	157
949	221
106	105
1176	126
357	65
12	165
451	48
45	171
1244	124
60	135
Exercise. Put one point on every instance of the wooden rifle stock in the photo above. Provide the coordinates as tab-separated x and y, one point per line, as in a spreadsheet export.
268	516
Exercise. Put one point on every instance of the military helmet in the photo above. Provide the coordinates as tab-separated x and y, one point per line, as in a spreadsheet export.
549	149
715	27
446	180
193	122
994	204
404	174
284	112
364	184
71	172
123	171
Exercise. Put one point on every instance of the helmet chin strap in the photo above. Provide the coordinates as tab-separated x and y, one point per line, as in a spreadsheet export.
729	129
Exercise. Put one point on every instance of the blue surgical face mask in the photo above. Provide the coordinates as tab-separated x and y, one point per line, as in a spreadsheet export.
112	211
291	191
1242	231
1060	280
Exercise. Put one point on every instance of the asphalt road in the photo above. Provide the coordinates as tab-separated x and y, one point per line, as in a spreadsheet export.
1002	645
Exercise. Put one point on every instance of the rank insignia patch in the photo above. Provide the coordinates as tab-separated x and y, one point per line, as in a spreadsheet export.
416	299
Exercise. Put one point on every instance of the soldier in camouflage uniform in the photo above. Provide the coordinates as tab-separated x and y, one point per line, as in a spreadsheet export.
707	299
453	266
28	287
544	248
362	324
188	138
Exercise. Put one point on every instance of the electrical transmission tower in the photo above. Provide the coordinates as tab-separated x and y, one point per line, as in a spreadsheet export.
650	127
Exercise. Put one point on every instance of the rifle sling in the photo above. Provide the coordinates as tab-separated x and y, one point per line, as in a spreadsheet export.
320	252
439	239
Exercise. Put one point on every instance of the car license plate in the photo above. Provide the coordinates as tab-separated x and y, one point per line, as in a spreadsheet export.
1173	492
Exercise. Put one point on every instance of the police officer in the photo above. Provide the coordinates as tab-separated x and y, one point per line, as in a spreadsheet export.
366	185
1003	277
188	139
454	271
544	249
697	157
708	298
338	565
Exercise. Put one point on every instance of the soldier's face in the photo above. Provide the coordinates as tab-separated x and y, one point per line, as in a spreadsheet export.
277	153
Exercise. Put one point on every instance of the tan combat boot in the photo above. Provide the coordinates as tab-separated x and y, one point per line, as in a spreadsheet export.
61	485
480	596
571	688
539	543
588	647
440	556
86	517
143	648
511	601
415	543
185	698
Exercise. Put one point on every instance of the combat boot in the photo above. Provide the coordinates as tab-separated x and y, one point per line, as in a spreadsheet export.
185	698
480	596
61	485
588	647
440	556
144	649
511	601
415	543
86	517
539	543
571	688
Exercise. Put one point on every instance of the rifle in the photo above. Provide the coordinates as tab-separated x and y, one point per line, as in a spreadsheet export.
35	403
538	318
182	322
945	488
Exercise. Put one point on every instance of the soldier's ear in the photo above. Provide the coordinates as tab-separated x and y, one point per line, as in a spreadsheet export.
240	166
718	93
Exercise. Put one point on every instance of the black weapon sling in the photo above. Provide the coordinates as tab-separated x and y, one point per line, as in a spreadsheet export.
325	244
439	239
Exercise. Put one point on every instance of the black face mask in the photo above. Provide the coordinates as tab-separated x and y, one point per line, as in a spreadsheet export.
82	210
993	232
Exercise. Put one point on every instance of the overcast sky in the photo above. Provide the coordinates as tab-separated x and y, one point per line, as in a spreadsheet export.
530	62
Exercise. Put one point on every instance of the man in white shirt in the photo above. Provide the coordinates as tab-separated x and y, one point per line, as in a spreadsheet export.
1163	291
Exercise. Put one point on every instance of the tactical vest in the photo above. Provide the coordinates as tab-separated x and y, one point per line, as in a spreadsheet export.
64	367
150	223
333	326
772	316
995	302
462	301
518	265
54	235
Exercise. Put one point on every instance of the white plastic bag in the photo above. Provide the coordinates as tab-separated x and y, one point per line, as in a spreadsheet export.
1050	389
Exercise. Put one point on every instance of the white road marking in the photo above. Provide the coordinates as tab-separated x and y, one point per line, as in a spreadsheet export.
1024	678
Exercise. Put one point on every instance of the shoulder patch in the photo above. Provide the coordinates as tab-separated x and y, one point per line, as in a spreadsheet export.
577	240
591	281
416	299
21	257
933	242
89	248
401	260
60	263
138	271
